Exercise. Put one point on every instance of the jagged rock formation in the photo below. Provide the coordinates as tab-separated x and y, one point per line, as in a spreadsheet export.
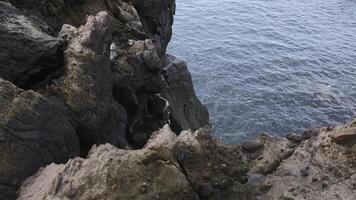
87	86
95	64
318	169
190	166
187	111
28	52
74	74
203	168
33	132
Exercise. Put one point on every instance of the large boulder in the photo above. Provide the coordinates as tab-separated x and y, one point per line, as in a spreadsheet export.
157	18
33	133
28	54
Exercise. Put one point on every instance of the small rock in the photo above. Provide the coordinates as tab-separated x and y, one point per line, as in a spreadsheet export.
304	172
343	136
324	185
152	60
143	188
252	145
67	33
314	179
205	190
295	138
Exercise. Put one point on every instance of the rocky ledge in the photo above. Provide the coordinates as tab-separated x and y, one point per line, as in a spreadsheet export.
92	107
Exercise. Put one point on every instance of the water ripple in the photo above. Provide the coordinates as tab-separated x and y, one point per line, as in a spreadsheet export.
275	66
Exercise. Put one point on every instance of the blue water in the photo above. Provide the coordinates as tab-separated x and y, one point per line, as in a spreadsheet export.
275	66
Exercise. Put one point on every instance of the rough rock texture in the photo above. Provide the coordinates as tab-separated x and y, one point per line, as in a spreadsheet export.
269	153
215	170
28	53
140	32
157	17
87	85
33	133
317	169
153	172
186	110
99	64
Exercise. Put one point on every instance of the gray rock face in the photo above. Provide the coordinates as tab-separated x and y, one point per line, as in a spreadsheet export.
33	133
344	136
109	81
87	85
117	95
190	166
112	173
157	18
317	169
141	31
28	54
186	110
215	170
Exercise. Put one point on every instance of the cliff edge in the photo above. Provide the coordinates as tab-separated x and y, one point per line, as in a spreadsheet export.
92	107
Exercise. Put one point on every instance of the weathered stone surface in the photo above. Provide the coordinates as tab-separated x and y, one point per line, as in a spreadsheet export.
141	31
344	136
294	137
33	133
28	54
252	145
215	170
56	13
186	110
190	166
111	173
318	169
87	85
265	153
157	19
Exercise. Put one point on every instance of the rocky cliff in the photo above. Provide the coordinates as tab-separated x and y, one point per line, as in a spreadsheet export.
80	73
92	107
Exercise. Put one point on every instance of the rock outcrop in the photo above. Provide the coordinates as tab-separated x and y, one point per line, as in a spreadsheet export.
28	53
203	168
190	166
87	86
33	133
186	110
318	169
98	67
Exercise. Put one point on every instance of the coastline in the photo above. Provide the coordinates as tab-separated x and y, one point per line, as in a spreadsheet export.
92	107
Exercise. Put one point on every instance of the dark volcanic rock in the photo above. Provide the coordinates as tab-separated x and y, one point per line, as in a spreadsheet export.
186	110
157	18
103	82
56	13
28	54
33	133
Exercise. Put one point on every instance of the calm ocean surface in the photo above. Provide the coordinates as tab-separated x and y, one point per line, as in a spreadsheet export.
276	66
